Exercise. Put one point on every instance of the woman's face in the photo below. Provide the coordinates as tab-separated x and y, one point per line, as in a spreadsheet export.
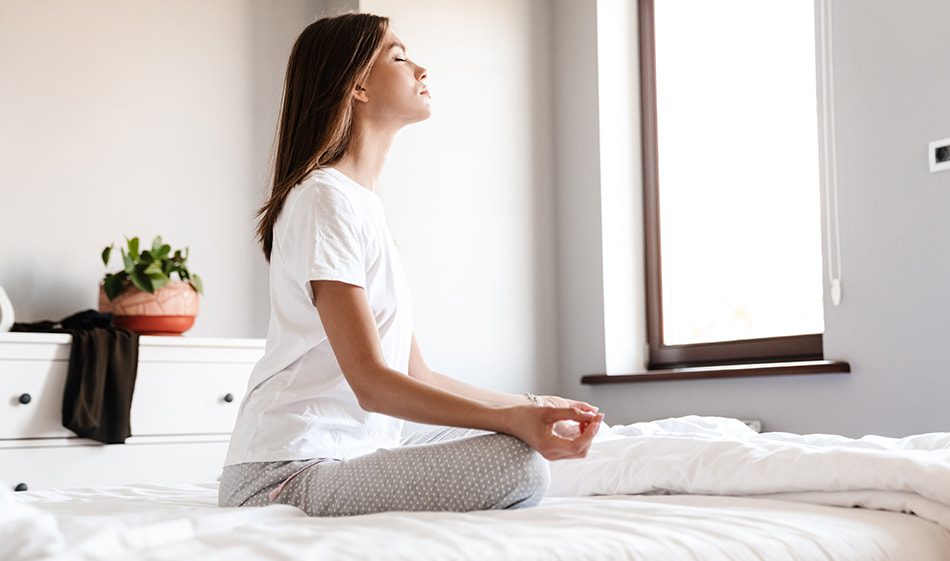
394	94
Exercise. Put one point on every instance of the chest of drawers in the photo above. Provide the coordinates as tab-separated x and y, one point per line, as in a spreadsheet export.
184	405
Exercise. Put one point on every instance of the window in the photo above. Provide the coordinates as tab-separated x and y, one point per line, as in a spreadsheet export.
731	181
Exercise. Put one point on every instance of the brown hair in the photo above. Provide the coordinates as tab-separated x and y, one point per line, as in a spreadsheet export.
330	57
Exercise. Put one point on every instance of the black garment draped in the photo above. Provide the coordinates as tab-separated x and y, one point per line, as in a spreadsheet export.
103	363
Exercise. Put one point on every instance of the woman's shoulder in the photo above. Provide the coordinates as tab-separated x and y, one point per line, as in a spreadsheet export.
320	201
323	192
317	206
320	181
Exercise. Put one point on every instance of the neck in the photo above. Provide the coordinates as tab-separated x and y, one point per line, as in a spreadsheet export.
364	160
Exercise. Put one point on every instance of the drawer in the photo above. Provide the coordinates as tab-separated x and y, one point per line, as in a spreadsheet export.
187	398
43	382
169	398
106	465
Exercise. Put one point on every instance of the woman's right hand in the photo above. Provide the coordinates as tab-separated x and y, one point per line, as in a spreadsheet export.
535	426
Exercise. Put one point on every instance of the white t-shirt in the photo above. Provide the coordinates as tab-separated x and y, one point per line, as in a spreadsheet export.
298	405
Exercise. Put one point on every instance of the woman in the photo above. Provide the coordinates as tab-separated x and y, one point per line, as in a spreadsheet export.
320	426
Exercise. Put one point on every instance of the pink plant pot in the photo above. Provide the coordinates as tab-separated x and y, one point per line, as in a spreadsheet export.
170	310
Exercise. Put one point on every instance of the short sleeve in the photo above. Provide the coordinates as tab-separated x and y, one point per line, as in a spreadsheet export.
328	237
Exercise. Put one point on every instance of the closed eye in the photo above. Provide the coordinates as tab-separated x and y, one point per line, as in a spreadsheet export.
401	59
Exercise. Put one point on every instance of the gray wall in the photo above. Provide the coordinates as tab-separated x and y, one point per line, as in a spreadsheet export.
892	90
139	118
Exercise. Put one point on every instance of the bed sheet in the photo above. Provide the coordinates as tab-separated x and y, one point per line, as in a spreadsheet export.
178	522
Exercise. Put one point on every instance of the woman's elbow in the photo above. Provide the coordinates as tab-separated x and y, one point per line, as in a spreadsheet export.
366	388
365	403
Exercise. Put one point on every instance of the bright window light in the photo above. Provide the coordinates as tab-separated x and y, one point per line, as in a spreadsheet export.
739	195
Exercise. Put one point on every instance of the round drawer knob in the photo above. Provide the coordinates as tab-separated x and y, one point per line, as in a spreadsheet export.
21	487
228	397
25	398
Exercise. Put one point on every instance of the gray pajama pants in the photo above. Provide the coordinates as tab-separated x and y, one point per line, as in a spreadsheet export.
445	469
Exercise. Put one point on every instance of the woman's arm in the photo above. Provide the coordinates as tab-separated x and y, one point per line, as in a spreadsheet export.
563	428
345	313
346	316
459	387
419	370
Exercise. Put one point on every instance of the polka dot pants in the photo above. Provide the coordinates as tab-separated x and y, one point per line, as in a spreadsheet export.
446	469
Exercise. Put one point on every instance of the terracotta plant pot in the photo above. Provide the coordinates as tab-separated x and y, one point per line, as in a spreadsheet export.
171	310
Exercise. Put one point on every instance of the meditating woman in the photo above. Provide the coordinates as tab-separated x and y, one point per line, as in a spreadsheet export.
320	426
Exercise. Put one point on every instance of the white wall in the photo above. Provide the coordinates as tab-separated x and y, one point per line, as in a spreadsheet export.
469	192
580	300
144	118
891	101
139	118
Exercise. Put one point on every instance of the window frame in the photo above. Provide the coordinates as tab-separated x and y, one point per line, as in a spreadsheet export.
772	349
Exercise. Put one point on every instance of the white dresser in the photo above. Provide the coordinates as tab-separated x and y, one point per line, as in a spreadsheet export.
185	401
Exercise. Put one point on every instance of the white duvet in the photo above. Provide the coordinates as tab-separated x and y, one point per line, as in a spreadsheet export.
686	488
721	456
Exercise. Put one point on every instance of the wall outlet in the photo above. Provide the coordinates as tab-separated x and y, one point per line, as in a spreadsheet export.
939	155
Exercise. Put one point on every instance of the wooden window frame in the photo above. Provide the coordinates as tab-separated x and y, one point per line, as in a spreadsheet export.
661	356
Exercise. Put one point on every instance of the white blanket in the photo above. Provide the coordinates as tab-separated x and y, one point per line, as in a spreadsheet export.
689	455
178	522
721	456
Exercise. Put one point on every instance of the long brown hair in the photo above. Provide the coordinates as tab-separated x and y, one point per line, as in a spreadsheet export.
330	57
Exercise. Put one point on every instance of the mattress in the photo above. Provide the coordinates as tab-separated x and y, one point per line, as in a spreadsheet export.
182	521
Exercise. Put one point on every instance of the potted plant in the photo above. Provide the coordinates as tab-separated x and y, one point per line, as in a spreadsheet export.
142	297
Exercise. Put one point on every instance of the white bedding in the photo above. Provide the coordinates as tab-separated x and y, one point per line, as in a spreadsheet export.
181	522
721	456
689	454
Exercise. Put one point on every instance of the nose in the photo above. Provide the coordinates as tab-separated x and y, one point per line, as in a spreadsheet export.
421	72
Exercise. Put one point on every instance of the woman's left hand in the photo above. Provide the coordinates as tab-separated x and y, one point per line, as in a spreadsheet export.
568	429
555	401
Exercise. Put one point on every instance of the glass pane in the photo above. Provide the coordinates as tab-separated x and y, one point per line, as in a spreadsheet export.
739	198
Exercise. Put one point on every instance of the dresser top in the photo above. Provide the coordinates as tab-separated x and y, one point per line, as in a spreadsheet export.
20	337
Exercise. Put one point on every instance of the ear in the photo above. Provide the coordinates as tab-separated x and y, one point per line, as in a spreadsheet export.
359	94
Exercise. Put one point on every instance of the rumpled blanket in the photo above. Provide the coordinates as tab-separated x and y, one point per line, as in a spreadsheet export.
704	455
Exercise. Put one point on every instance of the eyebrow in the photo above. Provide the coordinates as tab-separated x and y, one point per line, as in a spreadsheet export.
396	44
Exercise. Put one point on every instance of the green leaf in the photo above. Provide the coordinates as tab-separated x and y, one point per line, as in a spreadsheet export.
127	261
158	281
149	270
114	285
133	247
196	283
141	281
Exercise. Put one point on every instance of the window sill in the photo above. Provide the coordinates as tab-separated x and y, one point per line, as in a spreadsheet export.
724	371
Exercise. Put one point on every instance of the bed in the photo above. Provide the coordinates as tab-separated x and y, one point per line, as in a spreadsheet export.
611	505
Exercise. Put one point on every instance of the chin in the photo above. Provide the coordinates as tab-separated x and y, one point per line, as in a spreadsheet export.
423	116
